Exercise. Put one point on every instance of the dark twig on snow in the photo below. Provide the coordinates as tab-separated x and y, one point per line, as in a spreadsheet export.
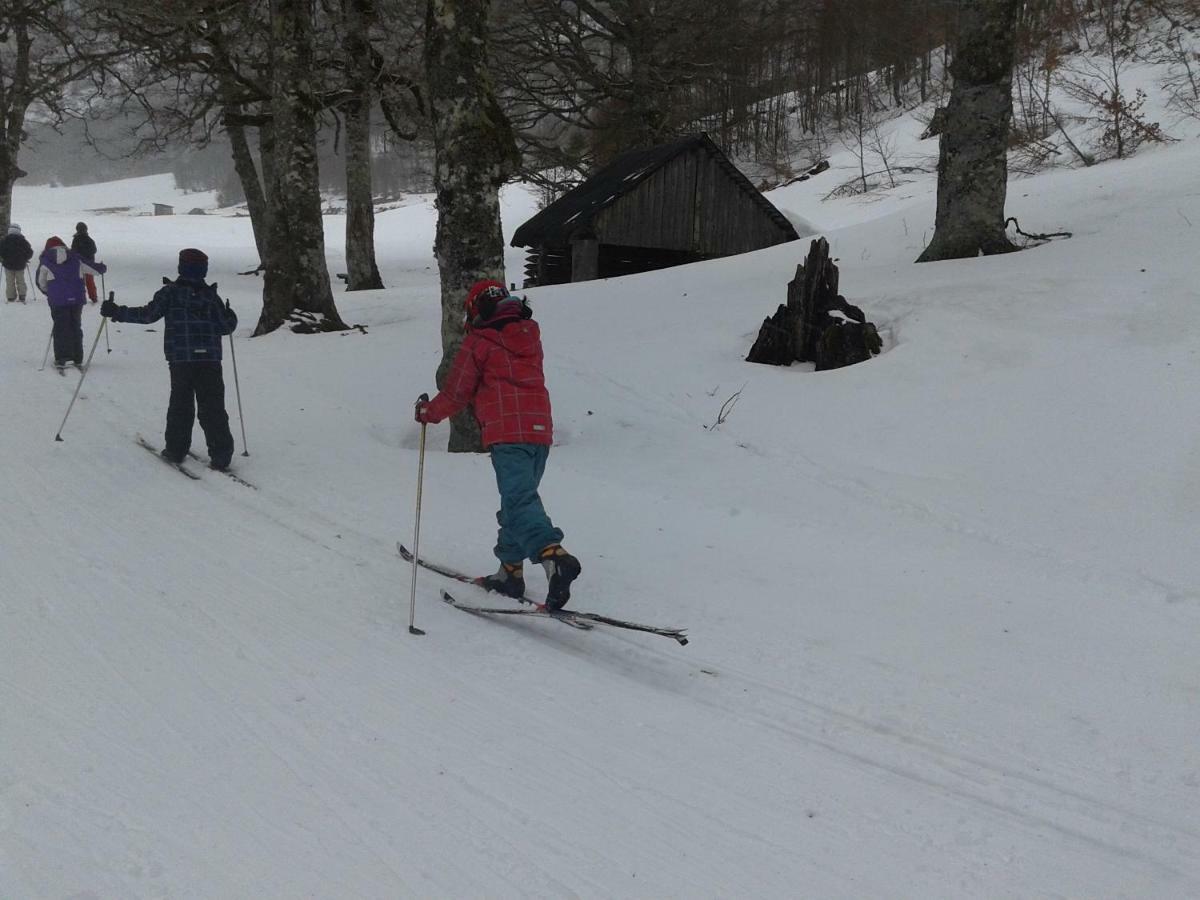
726	409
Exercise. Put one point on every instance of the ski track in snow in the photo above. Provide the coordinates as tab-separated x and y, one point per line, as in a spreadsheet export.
210	691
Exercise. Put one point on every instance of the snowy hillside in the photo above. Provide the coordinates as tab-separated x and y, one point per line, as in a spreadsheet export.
943	606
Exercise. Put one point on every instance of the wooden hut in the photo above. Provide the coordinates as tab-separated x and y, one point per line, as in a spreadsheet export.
649	209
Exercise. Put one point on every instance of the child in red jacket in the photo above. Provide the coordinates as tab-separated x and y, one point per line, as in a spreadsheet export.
498	370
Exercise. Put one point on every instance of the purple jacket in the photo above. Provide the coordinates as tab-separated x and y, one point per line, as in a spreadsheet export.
60	276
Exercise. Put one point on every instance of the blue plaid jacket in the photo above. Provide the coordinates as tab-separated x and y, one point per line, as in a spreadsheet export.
196	320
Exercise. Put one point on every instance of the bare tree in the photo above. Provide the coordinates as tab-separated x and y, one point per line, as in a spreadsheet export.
377	57
361	268
1179	51
1096	76
476	153
46	47
865	139
1045	29
240	65
973	149
584	81
297	277
200	67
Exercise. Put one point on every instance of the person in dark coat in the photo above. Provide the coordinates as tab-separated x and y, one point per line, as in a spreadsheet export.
196	320
60	275
15	254
82	244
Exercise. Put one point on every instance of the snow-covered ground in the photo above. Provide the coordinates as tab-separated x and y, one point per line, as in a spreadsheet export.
944	606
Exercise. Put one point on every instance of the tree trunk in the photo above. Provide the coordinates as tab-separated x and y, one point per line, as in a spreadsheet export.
296	276
252	186
270	179
362	272
14	103
475	153
973	149
9	174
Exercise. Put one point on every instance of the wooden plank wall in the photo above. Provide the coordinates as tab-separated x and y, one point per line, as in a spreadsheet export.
690	205
658	213
728	218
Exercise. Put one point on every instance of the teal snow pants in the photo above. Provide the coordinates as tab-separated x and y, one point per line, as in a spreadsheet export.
524	526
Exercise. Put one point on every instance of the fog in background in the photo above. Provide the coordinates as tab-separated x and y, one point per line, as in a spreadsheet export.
80	151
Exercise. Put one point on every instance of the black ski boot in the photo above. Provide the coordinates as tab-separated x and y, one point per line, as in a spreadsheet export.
509	580
561	569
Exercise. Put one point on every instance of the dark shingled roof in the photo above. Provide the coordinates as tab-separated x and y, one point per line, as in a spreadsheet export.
577	208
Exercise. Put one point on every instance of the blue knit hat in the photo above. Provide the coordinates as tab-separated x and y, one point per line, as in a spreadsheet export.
193	264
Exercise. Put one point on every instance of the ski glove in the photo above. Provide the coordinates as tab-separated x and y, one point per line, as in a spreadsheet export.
421	409
108	308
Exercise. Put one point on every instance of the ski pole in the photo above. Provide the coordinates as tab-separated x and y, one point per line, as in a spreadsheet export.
412	603
82	375
238	390
46	355
103	292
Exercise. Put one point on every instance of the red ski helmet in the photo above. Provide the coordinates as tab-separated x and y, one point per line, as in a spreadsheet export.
483	297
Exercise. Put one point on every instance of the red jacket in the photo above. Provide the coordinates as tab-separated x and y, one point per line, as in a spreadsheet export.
499	372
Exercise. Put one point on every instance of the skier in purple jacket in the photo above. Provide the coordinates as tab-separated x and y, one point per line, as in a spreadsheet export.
60	275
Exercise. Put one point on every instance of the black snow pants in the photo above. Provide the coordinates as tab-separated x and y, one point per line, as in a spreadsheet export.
68	334
198	391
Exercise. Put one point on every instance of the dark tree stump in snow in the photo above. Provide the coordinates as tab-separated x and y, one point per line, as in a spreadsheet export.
845	343
775	341
799	330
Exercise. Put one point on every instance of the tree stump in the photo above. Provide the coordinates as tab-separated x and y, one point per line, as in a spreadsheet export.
775	340
816	324
846	343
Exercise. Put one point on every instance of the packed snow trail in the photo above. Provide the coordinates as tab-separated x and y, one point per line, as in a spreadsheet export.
942	605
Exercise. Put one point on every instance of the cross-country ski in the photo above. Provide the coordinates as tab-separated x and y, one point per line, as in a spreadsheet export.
571	615
178	466
532	609
227	471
